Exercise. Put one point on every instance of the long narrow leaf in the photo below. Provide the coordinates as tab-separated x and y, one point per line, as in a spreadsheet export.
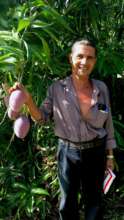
39	191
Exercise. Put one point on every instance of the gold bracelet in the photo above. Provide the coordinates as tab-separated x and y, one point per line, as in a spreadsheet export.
110	156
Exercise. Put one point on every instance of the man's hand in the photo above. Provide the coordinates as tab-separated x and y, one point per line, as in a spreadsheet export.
110	164
27	95
34	111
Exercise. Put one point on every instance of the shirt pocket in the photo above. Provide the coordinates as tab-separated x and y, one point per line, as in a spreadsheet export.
102	115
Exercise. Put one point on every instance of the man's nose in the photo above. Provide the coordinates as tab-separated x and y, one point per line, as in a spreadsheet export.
84	60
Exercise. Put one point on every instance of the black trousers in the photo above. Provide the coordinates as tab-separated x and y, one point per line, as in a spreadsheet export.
81	168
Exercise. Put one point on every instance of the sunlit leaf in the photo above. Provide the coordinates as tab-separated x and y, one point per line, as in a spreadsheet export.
39	191
24	23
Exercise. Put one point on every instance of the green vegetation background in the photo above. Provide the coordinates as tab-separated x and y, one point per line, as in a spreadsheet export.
35	40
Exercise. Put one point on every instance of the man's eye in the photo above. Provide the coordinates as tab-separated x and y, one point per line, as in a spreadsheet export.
80	57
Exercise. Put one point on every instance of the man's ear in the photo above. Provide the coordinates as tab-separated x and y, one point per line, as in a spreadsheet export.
70	58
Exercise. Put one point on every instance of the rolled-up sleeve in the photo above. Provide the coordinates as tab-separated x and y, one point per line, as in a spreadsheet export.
111	143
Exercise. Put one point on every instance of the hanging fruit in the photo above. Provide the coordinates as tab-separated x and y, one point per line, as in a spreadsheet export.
21	126
16	100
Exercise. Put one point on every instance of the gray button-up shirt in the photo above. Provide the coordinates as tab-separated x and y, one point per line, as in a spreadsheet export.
62	105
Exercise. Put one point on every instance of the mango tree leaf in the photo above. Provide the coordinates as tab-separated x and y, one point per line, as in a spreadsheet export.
39	191
23	23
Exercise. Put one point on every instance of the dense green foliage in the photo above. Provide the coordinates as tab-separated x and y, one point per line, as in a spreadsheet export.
35	40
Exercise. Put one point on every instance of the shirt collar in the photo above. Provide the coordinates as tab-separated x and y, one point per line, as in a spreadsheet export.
67	84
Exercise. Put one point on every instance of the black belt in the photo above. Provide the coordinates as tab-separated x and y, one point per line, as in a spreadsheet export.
97	142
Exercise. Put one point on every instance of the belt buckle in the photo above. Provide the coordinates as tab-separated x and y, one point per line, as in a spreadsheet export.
87	145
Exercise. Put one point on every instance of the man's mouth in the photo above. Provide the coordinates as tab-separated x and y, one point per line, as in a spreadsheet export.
83	68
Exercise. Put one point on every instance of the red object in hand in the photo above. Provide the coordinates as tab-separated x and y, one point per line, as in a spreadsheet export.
108	180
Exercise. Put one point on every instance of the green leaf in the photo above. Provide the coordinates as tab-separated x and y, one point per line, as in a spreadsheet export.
46	176
41	24
9	36
20	186
121	125
16	52
29	206
6	56
23	23
46	49
53	15
39	3
120	139
39	191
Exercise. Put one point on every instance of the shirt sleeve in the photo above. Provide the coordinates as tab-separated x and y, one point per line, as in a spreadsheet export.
111	143
47	105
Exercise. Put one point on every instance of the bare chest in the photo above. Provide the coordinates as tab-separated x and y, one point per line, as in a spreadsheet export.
84	98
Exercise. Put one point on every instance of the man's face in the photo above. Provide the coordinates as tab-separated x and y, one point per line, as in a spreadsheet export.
83	59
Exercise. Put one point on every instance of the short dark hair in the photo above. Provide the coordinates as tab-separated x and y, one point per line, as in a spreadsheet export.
86	42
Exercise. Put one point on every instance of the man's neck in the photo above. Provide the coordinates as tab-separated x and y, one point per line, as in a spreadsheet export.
81	83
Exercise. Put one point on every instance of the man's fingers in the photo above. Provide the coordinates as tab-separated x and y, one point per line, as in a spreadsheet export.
16	85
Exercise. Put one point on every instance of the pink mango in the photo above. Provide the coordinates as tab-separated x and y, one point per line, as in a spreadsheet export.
16	100
12	114
21	126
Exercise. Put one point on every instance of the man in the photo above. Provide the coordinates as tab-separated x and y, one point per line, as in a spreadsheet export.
81	111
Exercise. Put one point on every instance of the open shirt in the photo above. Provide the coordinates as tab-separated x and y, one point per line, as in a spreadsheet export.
62	105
